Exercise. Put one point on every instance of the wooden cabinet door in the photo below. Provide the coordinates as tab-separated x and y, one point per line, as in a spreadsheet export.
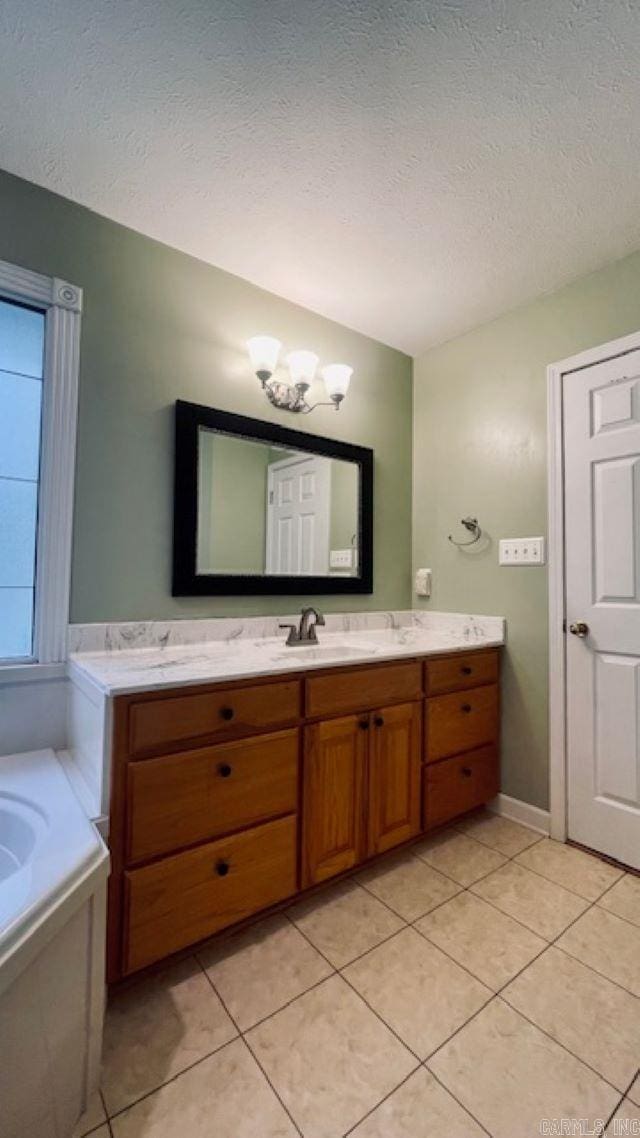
394	776
333	828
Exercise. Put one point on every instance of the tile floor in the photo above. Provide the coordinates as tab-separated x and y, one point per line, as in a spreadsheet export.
483	982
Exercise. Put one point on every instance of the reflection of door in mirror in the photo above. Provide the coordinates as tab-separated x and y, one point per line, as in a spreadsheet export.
266	509
298	511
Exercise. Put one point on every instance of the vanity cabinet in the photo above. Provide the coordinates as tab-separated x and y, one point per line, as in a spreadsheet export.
230	798
361	788
393	805
334	792
462	723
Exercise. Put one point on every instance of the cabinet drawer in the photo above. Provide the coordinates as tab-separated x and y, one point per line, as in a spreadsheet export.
181	899
461	721
360	689
159	723
181	799
460	671
457	785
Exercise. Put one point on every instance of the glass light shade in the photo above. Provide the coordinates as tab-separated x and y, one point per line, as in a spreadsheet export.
336	380
302	366
264	352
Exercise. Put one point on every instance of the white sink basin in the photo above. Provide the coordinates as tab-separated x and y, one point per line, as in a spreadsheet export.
335	652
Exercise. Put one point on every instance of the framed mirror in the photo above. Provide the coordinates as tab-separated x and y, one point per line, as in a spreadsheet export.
262	509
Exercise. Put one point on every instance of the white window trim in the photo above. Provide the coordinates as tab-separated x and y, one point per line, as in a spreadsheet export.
62	303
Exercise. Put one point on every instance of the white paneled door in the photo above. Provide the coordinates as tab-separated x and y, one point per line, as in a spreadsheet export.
601	410
298	516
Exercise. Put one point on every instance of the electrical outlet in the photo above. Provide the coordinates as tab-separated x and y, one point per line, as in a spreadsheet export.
522	551
341	559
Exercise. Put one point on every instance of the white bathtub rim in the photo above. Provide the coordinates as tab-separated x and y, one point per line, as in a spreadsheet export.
70	863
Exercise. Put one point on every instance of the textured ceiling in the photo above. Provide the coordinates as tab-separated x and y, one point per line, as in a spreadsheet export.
408	167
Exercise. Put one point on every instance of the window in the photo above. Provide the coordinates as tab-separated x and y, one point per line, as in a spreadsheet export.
39	341
21	375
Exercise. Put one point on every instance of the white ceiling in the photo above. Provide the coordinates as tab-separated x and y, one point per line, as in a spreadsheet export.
410	168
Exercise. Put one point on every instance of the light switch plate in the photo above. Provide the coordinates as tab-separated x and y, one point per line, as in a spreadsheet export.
522	551
341	559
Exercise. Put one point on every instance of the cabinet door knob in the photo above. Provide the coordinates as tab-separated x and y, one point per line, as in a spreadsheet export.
364	724
222	868
379	721
224	770
227	713
466	707
466	772
466	670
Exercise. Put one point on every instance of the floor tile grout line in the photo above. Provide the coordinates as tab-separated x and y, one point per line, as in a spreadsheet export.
478	980
613	884
338	967
492	994
457	1031
368	1114
292	1000
548	880
493	905
455	1097
265	1019
560	884
625	1096
379	899
613	1114
618	915
536	840
460	884
597	971
498	995
268	1080
409	923
518	1011
178	1074
249	1048
361	997
382	1019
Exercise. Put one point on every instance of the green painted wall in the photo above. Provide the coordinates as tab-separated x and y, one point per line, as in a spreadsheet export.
232	504
480	448
157	326
344	505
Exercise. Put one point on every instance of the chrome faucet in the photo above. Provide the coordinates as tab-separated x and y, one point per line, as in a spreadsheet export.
305	633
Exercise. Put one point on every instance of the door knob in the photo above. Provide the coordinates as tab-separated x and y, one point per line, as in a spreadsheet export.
579	628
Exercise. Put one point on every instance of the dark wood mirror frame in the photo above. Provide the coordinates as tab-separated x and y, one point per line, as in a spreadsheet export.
187	582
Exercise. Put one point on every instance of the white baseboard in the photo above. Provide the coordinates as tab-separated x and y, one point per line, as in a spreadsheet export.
522	812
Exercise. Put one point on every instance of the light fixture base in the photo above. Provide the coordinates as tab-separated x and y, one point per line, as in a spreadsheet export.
286	397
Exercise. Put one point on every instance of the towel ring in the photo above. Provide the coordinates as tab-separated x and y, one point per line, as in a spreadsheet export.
470	524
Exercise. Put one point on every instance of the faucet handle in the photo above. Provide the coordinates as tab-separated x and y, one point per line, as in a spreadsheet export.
294	635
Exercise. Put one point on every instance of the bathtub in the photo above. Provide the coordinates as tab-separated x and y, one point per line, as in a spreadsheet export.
53	871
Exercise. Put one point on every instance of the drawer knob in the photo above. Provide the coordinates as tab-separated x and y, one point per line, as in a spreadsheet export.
466	772
466	670
227	713
224	770
222	868
466	707
364	724
379	721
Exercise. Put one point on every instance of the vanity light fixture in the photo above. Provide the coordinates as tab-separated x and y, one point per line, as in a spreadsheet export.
264	352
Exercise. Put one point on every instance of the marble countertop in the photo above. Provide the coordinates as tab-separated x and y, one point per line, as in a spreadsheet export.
123	671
